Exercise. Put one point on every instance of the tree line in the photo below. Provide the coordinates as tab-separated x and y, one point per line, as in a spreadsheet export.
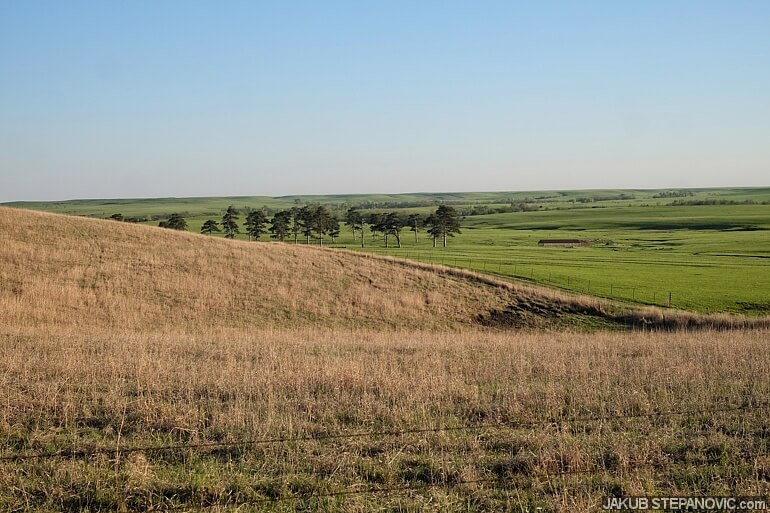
315	223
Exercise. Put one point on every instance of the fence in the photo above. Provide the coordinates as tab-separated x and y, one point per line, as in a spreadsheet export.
502	481
529	271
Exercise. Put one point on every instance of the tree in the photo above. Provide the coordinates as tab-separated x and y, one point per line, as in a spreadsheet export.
280	225
363	230
230	222
296	222
255	224
443	223
433	229
306	225
209	227
333	228
321	222
353	219
391	225
175	222
414	222
375	223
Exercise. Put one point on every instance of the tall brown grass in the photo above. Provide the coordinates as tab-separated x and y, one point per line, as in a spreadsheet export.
68	271
114	335
107	389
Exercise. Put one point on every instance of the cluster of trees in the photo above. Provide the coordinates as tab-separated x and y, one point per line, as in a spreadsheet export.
309	222
175	222
674	194
611	197
440	225
315	222
119	217
714	201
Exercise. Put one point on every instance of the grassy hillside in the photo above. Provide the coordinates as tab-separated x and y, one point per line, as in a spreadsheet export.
144	369
711	258
68	271
208	206
77	273
706	257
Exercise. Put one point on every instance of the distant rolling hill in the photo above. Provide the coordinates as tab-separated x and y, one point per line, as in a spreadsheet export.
74	272
71	273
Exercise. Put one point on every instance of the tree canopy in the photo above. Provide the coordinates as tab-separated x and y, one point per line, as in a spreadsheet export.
280	225
444	223
256	222
209	227
175	222
230	222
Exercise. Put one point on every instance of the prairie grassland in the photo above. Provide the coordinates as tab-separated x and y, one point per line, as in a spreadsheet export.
67	390
61	271
118	339
65	271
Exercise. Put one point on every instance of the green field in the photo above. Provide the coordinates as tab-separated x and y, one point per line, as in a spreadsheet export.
710	254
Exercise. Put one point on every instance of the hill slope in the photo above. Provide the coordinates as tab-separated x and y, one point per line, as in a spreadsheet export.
67	271
62	272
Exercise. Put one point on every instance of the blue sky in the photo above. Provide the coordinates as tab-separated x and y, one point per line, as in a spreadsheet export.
193	98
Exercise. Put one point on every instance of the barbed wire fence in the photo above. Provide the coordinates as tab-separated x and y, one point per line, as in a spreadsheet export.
520	425
535	273
500	480
507	482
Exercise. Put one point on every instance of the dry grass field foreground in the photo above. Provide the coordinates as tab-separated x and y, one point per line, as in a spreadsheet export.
556	420
143	369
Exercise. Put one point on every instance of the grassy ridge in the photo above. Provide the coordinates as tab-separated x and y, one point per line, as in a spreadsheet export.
711	258
68	271
203	206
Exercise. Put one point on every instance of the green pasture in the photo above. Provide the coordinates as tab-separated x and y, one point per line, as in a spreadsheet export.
708	258
420	202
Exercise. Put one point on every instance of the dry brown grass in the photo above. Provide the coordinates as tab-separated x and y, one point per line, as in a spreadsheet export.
84	273
69	390
67	271
114	335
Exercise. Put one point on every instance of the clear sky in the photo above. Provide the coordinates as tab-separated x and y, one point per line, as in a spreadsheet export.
198	98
